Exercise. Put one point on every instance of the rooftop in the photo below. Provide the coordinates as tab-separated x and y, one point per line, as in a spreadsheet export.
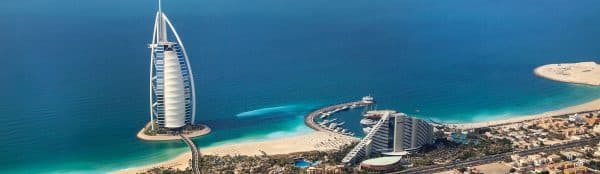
382	161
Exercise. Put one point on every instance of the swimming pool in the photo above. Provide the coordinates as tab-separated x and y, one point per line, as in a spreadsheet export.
301	163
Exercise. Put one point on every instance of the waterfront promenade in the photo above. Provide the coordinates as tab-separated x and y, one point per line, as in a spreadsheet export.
309	119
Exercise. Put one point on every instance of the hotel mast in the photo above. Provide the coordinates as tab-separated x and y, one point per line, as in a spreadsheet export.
172	95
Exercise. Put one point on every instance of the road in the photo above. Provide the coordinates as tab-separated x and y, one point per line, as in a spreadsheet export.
499	157
195	153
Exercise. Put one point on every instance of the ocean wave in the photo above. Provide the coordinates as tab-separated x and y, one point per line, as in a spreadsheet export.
294	109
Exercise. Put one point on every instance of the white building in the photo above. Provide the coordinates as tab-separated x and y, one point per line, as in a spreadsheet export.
172	94
410	133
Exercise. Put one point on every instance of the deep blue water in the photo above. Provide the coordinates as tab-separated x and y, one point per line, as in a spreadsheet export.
74	73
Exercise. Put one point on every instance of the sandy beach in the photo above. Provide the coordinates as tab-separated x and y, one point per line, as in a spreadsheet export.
581	73
589	106
301	143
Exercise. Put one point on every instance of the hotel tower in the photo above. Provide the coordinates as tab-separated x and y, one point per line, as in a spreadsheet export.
172	95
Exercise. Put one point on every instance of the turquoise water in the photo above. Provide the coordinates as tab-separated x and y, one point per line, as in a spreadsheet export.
74	73
301	163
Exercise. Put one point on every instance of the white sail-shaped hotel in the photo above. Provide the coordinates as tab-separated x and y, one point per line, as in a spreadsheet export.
172	98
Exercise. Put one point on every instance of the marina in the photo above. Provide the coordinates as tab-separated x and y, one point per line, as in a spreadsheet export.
330	125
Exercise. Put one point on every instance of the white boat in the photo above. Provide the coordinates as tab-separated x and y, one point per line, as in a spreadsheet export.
369	122
338	129
323	116
366	130
353	106
368	99
344	108
342	123
324	122
332	125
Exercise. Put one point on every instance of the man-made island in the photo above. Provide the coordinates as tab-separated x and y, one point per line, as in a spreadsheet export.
587	73
146	133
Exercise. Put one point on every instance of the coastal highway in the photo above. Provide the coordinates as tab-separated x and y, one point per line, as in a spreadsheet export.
195	154
499	157
309	119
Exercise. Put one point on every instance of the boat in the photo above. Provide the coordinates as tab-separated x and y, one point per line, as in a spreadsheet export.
341	123
366	130
327	121
368	99
332	125
344	108
353	106
366	121
324	122
323	116
338	129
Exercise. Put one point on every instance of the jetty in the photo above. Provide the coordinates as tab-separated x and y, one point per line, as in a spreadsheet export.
195	153
309	119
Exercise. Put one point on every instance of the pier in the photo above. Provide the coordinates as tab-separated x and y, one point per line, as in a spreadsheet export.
309	119
195	154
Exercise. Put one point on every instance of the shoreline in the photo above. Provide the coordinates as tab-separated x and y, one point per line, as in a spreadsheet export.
319	141
588	106
299	143
586	73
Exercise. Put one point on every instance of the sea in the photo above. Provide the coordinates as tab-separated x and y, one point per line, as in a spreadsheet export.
74	74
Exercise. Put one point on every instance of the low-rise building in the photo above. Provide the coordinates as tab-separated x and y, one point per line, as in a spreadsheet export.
553	158
381	164
571	155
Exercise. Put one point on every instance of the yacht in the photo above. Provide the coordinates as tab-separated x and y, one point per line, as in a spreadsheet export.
332	125
323	116
366	130
368	99
368	122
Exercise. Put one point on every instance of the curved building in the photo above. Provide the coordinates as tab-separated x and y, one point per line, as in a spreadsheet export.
410	133
172	94
381	164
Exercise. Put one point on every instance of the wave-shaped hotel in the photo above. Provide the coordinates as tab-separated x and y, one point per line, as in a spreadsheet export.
390	134
172	93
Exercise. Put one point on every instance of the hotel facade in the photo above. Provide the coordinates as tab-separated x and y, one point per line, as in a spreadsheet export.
394	134
410	133
172	94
